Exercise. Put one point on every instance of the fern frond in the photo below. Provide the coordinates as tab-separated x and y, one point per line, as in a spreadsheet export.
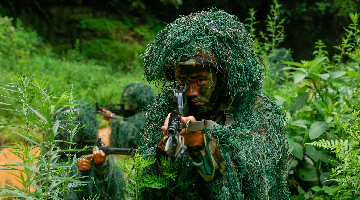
332	144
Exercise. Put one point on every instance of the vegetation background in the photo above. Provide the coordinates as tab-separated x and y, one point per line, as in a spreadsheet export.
91	50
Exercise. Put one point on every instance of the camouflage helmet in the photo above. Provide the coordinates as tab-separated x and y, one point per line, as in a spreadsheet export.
82	119
216	34
138	94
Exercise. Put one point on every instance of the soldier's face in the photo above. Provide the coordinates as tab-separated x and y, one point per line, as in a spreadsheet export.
200	81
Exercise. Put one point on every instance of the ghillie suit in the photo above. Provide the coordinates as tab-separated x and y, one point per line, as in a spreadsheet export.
126	133
106	180
251	132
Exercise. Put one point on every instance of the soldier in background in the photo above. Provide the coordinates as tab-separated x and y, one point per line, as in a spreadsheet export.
275	67
105	178
125	133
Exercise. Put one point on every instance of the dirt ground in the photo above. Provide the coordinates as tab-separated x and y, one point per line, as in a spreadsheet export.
8	158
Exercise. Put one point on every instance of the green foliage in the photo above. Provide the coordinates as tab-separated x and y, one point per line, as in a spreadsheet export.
325	95
346	174
43	171
91	79
138	181
271	40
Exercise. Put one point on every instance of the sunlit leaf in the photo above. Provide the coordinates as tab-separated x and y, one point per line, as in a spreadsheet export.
315	62
296	68
323	76
279	100
317	129
38	114
301	123
294	63
337	74
298	77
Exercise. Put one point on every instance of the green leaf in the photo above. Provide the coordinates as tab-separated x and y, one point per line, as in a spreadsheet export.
315	62
290	142
293	164
325	178
51	136
320	106
38	114
301	123
298	77
337	74
323	76
299	102
328	102
328	118
298	151
329	190
312	152
308	173
279	100
56	126
327	158
302	90
316	188
298	138
317	128
300	190
294	63
296	68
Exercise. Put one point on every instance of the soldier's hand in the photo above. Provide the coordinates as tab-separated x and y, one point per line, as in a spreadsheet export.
192	138
107	112
84	164
99	156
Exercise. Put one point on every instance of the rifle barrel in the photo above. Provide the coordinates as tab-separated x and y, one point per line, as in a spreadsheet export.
111	150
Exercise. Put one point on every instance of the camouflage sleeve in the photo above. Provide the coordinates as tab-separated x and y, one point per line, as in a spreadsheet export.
103	168
116	135
207	159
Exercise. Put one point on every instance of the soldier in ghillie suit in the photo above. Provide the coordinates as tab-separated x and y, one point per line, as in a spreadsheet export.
105	179
244	156
125	133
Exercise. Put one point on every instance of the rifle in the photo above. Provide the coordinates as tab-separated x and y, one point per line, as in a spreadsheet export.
179	109
116	112
89	150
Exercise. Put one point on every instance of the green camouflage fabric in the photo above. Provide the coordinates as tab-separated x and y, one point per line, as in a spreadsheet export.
105	181
125	133
246	160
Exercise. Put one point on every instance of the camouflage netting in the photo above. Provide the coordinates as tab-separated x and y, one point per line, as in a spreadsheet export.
126	133
105	186
254	147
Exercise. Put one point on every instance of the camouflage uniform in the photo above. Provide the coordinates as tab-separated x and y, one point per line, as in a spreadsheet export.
106	180
126	133
245	157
